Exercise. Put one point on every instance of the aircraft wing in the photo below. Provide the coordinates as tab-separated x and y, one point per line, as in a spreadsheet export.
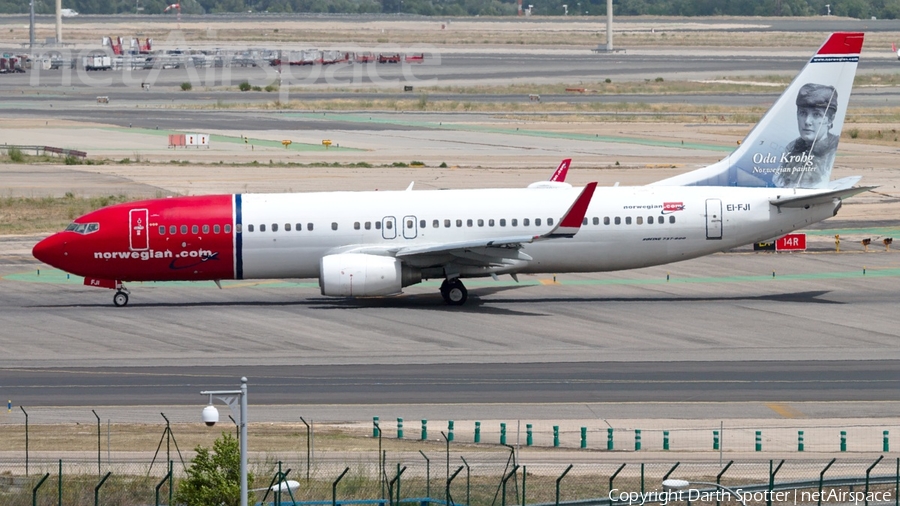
817	198
489	251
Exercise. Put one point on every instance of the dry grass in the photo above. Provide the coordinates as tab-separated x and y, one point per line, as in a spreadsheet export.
24	215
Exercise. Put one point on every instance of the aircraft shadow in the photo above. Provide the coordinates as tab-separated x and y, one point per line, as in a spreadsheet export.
475	305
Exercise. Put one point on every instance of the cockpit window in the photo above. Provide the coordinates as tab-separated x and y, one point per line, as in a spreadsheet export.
83	228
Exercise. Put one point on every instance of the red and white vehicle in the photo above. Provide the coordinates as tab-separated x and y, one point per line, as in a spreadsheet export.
376	243
415	58
389	58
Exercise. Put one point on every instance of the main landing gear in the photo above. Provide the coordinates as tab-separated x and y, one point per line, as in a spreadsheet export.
454	292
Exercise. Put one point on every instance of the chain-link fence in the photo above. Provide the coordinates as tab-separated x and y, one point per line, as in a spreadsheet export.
476	478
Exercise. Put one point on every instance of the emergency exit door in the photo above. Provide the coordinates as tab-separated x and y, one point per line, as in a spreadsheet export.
713	219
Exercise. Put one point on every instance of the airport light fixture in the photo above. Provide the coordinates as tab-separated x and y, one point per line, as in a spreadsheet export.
237	401
683	484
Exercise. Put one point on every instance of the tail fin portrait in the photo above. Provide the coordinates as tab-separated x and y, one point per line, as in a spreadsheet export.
794	144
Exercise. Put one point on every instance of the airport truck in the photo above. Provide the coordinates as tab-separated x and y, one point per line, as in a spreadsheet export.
97	62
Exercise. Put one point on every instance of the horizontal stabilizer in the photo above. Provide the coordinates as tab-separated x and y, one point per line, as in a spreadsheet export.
817	198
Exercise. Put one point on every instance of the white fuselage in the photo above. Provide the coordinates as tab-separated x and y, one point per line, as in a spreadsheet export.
687	222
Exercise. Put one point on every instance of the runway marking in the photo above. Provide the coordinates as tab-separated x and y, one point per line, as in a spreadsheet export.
784	410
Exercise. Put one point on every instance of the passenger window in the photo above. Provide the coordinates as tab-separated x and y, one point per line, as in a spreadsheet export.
436	224
183	229
262	227
458	223
549	222
446	223
514	222
205	229
502	222
480	223
628	220
649	220
377	225
216	229
356	225
584	221
274	227
173	229
597	220
640	220
606	220
368	225
237	228
299	227
525	222
618	220
333	225
421	223
162	230
537	222
309	227
389	225
468	223
287	227
410	224
671	218
195	229
250	228
491	223
661	220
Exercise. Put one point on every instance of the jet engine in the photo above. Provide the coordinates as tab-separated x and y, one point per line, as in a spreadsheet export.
361	275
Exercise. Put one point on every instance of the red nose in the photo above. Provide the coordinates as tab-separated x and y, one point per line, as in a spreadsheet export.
52	250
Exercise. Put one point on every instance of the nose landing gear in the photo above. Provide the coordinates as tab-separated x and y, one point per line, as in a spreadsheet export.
454	292
120	299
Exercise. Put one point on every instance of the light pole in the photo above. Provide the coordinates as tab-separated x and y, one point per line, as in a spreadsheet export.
683	484
237	401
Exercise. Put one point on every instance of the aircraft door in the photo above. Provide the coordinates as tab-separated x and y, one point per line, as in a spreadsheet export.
389	227
139	238
713	219
409	227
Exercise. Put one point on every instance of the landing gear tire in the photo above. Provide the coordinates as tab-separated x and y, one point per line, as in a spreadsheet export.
120	299
456	293
445	287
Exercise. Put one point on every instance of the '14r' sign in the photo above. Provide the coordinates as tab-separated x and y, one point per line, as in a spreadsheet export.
791	242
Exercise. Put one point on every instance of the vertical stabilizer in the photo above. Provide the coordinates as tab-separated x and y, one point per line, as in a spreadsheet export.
794	144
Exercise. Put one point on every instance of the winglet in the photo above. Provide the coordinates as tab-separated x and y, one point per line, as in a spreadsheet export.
561	171
571	222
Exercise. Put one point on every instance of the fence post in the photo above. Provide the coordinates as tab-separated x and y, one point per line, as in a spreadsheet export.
334	487
719	480
637	439
613	477
59	483
772	474
26	439
97	489
868	471
468	477
821	479
672	470
759	440
503	484
477	432
556	436
34	491
162	482
609	438
563	475
427	474
799	440
665	440
447	498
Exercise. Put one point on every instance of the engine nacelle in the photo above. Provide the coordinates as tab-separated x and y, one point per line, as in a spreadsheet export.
361	275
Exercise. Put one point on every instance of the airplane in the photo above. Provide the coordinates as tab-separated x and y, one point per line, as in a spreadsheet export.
375	243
